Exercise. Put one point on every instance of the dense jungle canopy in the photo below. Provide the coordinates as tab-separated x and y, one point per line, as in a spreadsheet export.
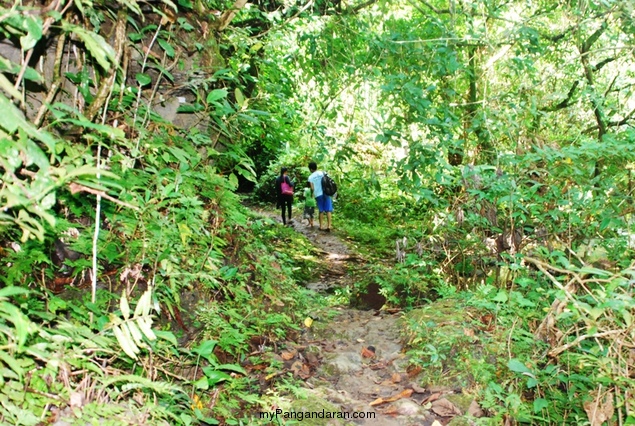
484	152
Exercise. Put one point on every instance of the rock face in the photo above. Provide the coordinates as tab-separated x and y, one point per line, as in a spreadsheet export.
187	72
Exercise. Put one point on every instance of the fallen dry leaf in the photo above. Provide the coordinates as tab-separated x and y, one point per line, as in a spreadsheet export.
406	393
256	367
305	372
296	367
288	355
475	410
368	352
488	322
468	332
413	370
418	389
380	365
312	359
600	409
396	378
444	408
436	423
391	411
431	398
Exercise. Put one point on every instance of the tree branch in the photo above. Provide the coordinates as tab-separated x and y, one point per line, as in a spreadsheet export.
106	84
362	5
434	9
586	46
617	123
227	16
600	64
565	102
55	85
588	72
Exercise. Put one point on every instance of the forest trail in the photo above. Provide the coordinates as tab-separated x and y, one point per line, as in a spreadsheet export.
362	367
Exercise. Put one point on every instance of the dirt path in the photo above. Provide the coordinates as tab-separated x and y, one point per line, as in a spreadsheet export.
354	361
360	353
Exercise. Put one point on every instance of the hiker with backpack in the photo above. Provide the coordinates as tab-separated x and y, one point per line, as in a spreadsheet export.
323	190
284	189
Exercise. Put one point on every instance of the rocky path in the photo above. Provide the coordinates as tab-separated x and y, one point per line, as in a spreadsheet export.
362	365
354	362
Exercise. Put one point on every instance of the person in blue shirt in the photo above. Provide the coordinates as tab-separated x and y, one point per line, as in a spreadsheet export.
324	202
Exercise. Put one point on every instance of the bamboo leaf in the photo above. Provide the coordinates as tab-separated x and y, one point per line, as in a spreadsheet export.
135	333
216	94
6	85
12	363
167	47
125	343
145	324
99	48
123	305
144	304
12	291
166	335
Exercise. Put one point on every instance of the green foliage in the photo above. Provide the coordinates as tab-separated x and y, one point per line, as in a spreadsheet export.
481	133
168	215
43	350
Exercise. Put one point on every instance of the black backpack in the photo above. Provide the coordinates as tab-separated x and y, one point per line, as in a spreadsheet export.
329	187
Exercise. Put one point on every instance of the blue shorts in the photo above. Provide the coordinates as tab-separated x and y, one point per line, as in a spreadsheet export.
324	203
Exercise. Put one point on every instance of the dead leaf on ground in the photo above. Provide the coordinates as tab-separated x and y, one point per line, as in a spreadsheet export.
312	360
436	423
256	367
444	408
417	389
600	409
431	398
413	370
288	355
395	378
391	411
488	322
380	365
296	367
368	352
403	394
468	332
305	372
475	410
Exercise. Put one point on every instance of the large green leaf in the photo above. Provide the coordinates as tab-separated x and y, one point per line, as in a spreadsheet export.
95	44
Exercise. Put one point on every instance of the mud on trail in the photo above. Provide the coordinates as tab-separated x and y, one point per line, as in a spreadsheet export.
357	361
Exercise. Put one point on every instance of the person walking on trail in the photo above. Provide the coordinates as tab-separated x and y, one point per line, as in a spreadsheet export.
324	202
284	189
309	204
